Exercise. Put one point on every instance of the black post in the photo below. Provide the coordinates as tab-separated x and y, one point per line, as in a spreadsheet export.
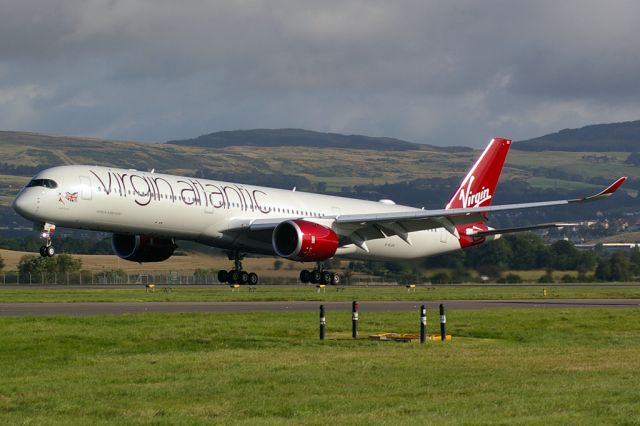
354	319
443	324
323	322
423	324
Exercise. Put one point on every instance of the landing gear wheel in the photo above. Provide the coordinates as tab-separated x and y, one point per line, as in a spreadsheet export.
253	278
305	276
325	277
335	279
233	276
315	276
243	277
223	276
47	251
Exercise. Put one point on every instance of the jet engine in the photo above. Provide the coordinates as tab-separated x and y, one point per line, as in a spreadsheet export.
142	248
304	241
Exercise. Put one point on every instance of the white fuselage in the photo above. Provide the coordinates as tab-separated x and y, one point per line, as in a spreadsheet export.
202	210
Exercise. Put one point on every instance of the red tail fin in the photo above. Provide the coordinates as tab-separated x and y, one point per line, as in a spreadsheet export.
478	187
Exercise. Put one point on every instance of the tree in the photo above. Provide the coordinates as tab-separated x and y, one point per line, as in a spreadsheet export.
603	270
620	267
586	262
61	263
277	264
30	264
440	278
615	268
513	279
496	255
529	251
564	255
1	263
67	263
634	259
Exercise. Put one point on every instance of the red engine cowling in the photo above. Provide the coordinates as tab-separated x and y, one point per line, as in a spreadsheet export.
142	248
304	241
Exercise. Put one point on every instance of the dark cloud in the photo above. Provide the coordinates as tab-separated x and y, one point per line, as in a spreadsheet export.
441	72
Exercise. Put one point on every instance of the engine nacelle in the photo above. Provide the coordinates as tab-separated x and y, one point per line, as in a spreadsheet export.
304	241
142	248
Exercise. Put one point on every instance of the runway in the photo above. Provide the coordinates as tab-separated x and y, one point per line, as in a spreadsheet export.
119	308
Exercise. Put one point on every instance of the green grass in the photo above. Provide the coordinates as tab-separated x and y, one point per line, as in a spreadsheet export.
503	367
267	293
543	182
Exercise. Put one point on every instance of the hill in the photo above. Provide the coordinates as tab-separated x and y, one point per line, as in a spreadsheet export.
423	176
298	137
613	137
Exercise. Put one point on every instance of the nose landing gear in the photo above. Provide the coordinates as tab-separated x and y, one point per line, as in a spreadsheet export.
237	275
46	231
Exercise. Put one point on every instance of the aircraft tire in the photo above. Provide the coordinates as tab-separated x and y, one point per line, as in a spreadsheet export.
315	276
233	276
223	276
335	279
50	251
305	276
253	278
326	277
243	277
42	251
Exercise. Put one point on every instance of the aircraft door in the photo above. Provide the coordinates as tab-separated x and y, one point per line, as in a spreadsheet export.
85	183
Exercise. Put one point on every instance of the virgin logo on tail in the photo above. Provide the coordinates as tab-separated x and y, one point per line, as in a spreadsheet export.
478	187
471	199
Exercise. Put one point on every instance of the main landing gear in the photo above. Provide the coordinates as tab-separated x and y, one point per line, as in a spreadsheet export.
46	232
319	276
237	275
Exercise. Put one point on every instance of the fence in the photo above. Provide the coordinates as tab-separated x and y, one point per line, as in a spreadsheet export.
172	278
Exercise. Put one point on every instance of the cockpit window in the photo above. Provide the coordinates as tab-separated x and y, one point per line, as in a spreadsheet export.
47	183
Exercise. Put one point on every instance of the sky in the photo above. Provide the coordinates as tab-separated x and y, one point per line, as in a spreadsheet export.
438	72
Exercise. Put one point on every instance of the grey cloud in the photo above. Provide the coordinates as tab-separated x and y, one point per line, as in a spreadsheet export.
442	72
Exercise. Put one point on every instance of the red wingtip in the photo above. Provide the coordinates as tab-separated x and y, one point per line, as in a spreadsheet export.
614	186
604	193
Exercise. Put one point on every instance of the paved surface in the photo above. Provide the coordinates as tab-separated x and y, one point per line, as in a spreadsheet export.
118	308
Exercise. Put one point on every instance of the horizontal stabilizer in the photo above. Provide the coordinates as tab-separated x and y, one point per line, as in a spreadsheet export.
521	229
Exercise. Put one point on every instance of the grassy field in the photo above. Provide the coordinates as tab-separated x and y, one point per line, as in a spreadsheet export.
502	367
186	264
270	293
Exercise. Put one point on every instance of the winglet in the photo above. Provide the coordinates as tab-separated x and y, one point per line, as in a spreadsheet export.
602	194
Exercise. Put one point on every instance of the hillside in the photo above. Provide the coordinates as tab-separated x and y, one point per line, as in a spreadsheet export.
23	154
421	177
620	137
299	137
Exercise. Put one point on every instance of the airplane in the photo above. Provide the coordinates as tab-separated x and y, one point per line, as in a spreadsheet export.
148	212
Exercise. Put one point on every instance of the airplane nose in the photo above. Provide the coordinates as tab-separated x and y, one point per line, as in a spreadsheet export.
21	205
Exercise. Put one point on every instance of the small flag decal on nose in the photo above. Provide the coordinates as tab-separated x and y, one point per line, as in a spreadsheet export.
72	197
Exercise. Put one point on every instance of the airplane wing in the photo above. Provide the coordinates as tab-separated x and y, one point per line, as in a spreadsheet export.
358	228
380	225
